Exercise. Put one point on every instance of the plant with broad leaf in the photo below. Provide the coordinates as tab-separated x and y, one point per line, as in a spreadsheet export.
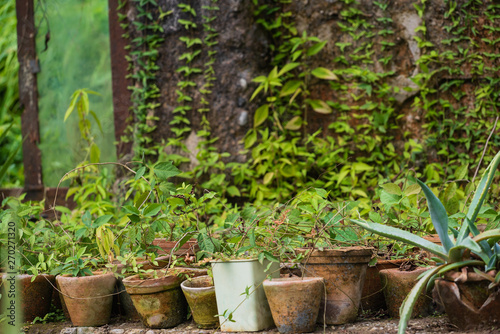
466	247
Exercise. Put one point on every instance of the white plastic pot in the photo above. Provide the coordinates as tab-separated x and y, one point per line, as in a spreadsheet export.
231	280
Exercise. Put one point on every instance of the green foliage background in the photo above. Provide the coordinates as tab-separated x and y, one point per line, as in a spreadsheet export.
9	95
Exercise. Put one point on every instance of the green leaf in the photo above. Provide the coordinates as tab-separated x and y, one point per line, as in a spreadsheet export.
404	236
439	216
251	237
72	104
412	189
294	124
131	209
261	115
233	191
140	173
250	138
205	243
461	171
320	106
392	188
268	177
95	153
165	170
478	199
290	87
151	210
288	67
315	48
324	73
101	221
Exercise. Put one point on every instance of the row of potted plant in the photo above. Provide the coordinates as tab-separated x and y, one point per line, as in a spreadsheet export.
117	234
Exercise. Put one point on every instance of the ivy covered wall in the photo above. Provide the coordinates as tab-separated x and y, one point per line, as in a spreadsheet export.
263	98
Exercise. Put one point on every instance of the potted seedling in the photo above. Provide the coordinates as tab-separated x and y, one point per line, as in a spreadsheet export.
467	258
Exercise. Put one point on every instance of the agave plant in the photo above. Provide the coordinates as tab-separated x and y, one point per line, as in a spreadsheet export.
465	247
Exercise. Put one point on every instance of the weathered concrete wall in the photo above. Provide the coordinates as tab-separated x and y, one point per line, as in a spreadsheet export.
243	52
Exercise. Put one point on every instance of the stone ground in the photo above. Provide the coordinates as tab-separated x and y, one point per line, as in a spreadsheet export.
375	325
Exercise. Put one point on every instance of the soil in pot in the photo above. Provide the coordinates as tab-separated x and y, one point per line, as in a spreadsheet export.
344	271
200	295
36	296
397	285
88	299
469	305
294	302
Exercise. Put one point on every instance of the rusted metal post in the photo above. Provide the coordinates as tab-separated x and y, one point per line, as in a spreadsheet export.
28	96
120	83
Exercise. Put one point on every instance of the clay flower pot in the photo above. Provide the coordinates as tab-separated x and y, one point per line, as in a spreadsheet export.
188	249
294	302
160	301
36	296
372	298
200	295
470	304
88	299
397	285
344	271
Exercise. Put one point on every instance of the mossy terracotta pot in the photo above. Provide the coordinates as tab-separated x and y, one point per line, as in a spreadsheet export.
88	299
160	301
372	298
469	305
397	285
36	296
200	295
344	271
294	302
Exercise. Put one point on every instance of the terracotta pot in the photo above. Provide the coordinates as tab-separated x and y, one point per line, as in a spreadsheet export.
159	301
189	248
344	271
294	302
123	302
397	285
200	295
36	296
470	305
162	262
372	298
88	299
61	301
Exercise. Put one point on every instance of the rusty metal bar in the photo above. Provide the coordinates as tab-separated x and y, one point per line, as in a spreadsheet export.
28	96
120	83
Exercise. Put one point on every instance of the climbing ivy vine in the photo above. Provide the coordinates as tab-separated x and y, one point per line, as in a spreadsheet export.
346	125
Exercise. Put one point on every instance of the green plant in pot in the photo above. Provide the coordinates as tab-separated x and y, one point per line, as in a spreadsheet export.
332	249
392	273
87	293
241	265
465	256
34	258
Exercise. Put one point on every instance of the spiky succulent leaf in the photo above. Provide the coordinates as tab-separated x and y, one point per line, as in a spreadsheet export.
404	236
407	307
439	216
478	199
